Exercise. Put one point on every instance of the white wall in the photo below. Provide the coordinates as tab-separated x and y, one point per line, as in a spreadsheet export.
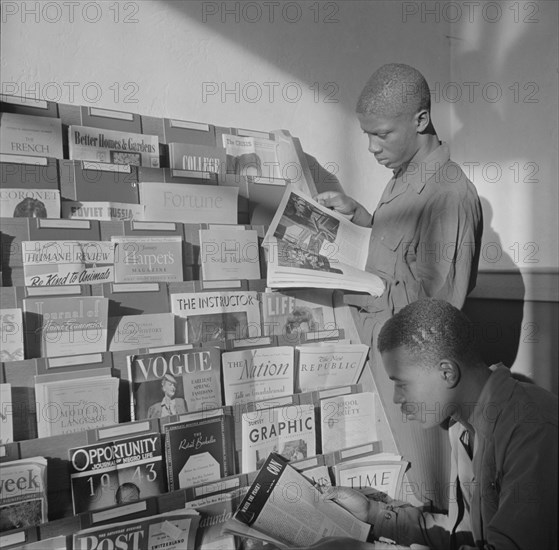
170	56
509	126
157	58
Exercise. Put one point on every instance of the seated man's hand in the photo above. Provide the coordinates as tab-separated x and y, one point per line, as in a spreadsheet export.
340	543
361	506
345	205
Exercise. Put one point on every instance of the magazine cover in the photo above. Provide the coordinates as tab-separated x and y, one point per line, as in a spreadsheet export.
227	254
29	203
148	330
385	476
30	135
116	472
171	531
102	210
289	431
295	311
74	402
112	146
147	259
57	263
285	508
252	156
11	333
59	326
207	316
198	451
6	414
214	511
347	420
255	374
23	493
192	157
329	365
166	383
181	202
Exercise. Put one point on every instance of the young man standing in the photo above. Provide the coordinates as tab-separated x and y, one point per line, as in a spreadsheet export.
426	231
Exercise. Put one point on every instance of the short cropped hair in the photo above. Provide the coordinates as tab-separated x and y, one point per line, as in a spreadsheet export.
394	89
432	330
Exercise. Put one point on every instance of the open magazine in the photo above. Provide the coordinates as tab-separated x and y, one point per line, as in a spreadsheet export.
283	507
309	245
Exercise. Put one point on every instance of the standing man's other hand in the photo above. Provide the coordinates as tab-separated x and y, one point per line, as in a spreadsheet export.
346	206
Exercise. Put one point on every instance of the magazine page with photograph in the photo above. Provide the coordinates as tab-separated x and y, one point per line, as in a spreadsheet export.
309	245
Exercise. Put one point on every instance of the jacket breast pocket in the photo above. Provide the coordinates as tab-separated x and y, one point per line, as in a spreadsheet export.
384	253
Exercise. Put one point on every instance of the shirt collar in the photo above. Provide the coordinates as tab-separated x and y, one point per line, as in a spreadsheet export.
418	173
496	391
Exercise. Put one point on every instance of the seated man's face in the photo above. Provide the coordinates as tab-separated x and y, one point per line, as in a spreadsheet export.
392	140
421	391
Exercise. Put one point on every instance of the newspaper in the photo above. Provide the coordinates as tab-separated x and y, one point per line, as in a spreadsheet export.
309	245
285	508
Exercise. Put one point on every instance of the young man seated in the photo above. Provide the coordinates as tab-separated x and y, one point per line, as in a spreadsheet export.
503	436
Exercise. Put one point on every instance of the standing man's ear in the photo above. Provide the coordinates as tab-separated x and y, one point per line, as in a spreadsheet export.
450	372
422	120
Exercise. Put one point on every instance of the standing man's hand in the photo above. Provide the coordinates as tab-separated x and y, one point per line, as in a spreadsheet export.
346	206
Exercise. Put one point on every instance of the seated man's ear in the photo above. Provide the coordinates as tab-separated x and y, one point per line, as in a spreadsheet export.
422	120
450	372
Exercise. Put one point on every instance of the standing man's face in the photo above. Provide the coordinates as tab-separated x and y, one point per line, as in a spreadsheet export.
393	140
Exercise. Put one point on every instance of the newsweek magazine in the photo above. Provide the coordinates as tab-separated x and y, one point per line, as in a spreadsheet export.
308	245
23	493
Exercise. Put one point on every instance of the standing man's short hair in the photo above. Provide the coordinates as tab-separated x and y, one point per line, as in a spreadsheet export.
431	330
395	89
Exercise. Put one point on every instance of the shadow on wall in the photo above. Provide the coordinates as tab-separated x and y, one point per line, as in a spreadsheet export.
498	322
